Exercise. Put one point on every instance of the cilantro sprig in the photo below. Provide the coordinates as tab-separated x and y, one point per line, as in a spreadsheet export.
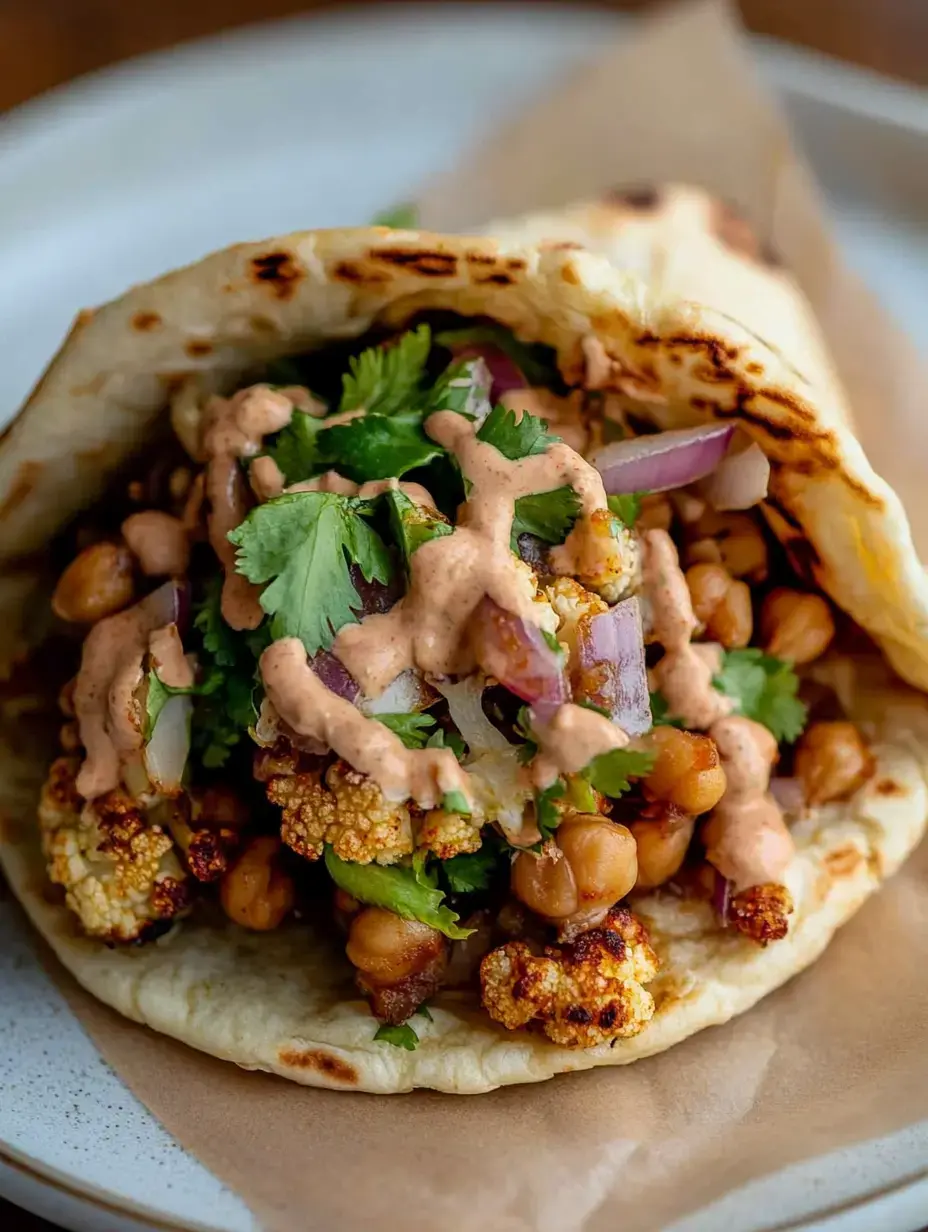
408	891
547	515
404	217
301	544
514	437
400	1035
413	729
763	688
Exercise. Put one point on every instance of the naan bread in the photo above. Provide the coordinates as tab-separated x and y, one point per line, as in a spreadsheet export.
278	1001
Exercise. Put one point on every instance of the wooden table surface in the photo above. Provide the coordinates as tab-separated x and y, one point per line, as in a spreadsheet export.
46	42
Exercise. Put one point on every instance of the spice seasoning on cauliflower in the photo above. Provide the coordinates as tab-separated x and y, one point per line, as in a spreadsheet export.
581	994
349	812
120	872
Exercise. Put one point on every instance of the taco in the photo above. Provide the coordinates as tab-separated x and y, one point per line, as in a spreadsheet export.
478	661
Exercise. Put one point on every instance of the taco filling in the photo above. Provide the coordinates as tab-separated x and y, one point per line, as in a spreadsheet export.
413	637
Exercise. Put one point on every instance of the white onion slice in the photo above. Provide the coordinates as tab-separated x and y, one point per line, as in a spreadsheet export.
467	714
739	481
166	753
407	692
663	461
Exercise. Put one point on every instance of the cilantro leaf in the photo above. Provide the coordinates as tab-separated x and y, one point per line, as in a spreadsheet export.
609	773
399	889
297	449
404	217
626	507
387	379
411	728
301	544
660	712
764	689
523	727
456	802
547	814
547	515
400	1036
448	740
515	438
474	871
424	1012
580	794
463	387
219	640
536	362
378	446
225	700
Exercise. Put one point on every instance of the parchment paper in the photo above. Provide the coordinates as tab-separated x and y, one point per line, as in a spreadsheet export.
838	1055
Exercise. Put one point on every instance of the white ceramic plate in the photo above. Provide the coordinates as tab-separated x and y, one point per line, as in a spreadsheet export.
315	123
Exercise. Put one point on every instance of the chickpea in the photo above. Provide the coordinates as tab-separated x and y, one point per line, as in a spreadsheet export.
70	737
832	761
218	806
594	866
656	513
662	846
97	583
387	948
687	771
721	604
796	625
257	892
732	539
179	482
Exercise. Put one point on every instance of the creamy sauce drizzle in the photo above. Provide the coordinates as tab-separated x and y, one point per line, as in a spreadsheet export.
159	542
684	675
311	709
168	659
450	575
570	741
106	704
235	429
746	837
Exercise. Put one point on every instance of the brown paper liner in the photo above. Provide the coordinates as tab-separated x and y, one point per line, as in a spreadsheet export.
835	1057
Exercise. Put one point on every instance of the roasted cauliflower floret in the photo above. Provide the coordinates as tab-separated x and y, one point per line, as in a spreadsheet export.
581	994
572	602
448	834
600	553
348	811
761	912
120	872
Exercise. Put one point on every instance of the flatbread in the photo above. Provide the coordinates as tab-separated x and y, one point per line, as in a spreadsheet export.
277	1001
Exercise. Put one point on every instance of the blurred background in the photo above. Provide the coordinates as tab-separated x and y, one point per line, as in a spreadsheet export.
45	42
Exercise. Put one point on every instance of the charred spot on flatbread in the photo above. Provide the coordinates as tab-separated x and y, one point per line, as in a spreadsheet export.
320	1061
196	348
428	263
641	197
144	322
281	271
24	483
733	230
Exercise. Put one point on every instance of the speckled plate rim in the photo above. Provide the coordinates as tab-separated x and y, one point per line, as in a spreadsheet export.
41	1174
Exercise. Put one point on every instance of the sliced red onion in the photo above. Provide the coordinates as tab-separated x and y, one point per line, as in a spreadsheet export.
610	670
169	604
504	374
721	897
165	754
663	461
335	676
376	597
409	691
739	481
789	794
517	654
534	552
